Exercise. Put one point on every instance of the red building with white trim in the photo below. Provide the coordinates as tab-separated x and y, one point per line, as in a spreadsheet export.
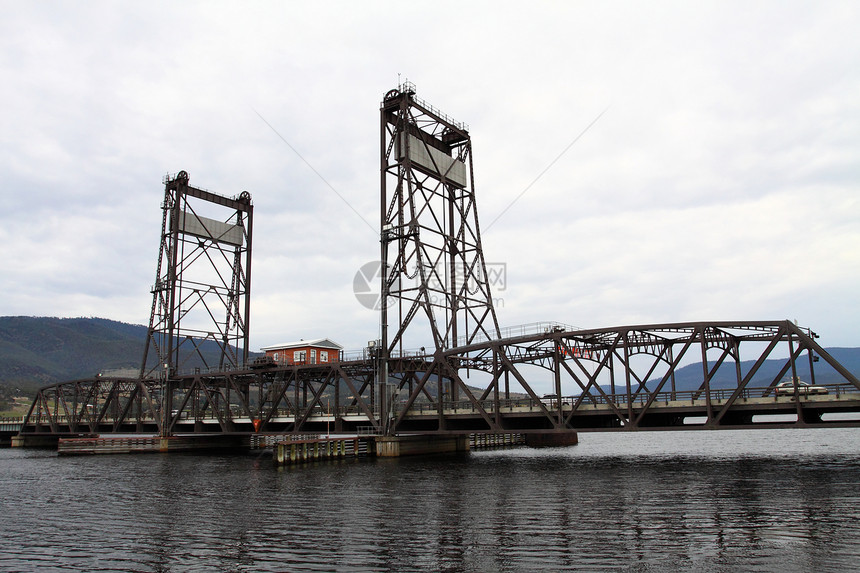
318	351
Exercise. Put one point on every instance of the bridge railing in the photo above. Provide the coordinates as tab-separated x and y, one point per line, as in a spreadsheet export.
640	399
715	394
506	332
11	423
520	330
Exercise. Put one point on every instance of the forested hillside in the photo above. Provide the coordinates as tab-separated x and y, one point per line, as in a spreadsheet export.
37	351
690	377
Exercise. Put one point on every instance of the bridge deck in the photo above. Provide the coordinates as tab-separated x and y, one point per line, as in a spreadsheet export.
684	410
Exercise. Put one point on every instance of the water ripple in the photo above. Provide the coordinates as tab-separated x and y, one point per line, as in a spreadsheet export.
695	501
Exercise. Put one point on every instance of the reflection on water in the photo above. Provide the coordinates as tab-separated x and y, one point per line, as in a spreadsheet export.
760	500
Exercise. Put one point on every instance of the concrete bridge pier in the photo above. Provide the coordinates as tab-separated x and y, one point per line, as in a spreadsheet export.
396	446
35	441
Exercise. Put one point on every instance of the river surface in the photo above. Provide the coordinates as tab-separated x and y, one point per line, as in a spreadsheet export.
752	500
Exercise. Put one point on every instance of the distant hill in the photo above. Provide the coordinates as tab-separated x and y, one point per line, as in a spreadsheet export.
690	377
37	351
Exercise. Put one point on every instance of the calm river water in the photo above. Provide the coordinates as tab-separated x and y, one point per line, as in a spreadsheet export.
756	500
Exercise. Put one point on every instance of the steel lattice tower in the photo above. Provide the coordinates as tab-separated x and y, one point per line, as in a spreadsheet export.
433	269
201	295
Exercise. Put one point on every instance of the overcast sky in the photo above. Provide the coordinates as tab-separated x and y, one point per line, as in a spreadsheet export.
721	182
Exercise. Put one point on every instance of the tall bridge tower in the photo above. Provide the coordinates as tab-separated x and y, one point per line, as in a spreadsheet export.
201	296
434	276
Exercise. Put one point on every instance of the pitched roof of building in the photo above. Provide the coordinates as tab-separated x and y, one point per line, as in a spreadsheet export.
317	343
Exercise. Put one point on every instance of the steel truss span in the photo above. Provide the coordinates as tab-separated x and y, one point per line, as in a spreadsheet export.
611	379
247	400
625	378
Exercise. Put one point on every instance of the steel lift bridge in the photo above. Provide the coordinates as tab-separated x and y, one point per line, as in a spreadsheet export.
470	377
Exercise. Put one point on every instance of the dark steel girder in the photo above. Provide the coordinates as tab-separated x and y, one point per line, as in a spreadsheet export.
86	405
613	349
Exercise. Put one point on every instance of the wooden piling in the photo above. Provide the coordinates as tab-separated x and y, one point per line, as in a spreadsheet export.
314	449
